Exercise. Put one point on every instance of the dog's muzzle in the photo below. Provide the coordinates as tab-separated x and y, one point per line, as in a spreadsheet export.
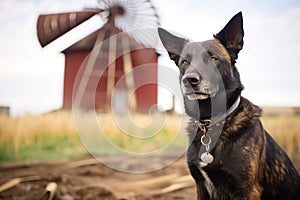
191	79
192	88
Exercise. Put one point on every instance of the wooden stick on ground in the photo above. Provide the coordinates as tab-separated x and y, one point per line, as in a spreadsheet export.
82	163
16	181
173	187
9	184
154	182
186	178
173	182
50	191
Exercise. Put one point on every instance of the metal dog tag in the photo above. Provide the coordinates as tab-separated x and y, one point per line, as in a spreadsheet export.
207	157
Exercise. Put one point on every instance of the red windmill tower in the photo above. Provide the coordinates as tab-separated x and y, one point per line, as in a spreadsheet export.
97	63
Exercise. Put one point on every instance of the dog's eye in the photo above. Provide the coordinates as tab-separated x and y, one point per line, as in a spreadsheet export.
213	58
185	62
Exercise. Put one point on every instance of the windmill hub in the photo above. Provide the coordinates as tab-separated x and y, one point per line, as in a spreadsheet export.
117	10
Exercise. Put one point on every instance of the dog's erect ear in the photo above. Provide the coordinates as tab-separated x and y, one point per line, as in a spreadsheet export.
172	43
231	36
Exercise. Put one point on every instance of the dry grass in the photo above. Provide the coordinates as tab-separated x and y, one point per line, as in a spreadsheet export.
286	131
142	133
37	136
54	136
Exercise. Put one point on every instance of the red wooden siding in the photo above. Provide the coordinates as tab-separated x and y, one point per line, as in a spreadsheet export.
146	95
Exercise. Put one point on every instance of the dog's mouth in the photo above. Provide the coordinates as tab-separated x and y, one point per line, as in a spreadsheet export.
197	96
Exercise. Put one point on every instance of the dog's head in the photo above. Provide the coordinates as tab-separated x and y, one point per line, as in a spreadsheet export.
207	68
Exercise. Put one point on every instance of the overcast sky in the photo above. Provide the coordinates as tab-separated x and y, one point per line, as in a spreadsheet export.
31	78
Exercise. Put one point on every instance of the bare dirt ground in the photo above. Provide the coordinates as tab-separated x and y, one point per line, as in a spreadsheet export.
89	179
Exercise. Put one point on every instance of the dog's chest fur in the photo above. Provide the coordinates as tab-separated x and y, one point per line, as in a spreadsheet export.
208	184
220	178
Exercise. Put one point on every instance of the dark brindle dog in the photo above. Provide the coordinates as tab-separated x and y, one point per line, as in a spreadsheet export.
245	162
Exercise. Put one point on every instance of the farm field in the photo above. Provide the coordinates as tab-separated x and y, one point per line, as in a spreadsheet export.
47	149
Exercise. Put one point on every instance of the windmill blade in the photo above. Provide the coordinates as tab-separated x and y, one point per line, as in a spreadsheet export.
138	18
52	26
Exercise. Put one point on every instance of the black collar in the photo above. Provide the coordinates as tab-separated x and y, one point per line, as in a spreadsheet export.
208	124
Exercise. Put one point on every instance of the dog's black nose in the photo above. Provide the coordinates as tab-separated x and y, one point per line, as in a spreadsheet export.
191	79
